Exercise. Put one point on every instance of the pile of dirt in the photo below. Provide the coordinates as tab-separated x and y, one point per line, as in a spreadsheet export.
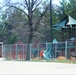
72	58
61	58
37	58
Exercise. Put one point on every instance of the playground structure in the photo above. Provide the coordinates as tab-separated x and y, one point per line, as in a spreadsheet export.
40	51
67	26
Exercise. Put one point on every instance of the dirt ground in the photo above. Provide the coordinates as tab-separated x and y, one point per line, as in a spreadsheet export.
36	68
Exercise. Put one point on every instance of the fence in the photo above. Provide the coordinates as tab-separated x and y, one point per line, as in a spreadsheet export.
19	51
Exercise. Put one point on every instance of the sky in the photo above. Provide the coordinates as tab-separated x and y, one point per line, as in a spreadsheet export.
54	1
1	0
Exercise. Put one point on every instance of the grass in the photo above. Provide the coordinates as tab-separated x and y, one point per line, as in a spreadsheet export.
64	61
56	61
51	60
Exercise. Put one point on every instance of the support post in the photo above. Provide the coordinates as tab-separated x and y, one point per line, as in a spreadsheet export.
66	49
16	52
30	51
51	19
38	52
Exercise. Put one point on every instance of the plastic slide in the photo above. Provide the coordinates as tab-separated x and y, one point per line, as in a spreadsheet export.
47	53
73	55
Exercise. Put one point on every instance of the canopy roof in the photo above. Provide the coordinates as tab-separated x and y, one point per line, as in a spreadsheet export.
66	21
72	39
60	25
71	21
55	41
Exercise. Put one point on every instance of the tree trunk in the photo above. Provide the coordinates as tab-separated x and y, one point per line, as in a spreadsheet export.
28	46
30	15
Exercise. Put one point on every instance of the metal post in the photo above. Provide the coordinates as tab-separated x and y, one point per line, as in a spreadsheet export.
51	19
16	52
38	52
10	52
51	23
30	51
23	52
66	49
55	50
46	45
3	52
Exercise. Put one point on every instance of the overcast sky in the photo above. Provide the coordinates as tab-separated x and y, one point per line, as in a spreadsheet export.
54	1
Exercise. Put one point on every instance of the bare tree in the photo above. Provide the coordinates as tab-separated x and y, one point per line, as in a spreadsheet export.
28	7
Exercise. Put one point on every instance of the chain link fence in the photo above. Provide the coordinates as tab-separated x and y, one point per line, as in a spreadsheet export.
19	51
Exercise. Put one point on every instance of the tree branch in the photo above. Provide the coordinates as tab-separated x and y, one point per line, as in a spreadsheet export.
35	6
17	8
26	3
20	4
33	2
40	19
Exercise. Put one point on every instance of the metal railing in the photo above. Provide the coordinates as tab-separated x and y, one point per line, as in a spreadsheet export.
19	51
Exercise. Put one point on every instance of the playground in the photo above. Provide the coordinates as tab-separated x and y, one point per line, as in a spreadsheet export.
40	51
14	57
44	68
65	48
